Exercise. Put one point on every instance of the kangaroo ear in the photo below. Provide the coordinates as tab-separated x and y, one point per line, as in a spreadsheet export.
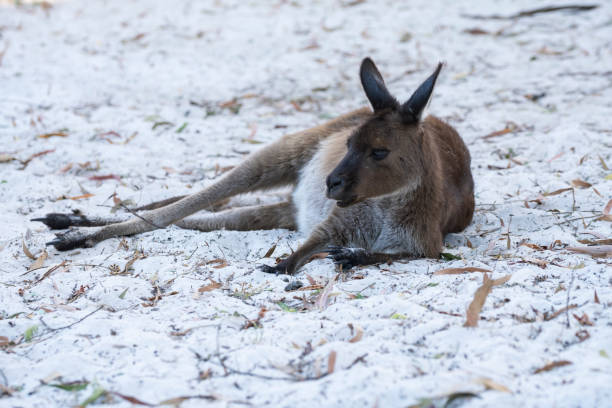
411	110
374	86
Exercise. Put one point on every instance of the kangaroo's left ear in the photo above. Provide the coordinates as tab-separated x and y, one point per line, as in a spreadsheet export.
412	109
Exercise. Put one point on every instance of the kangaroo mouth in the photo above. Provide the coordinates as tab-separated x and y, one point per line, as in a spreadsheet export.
346	202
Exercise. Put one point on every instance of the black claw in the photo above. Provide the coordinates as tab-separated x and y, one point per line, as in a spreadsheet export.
65	243
63	221
269	269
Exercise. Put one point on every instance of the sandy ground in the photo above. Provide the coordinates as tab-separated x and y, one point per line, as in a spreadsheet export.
148	99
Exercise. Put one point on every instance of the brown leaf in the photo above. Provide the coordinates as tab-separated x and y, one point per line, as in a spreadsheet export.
221	263
600	251
270	251
580	183
137	255
457	271
480	296
552	365
27	251
132	400
596	298
35	155
556	156
551	316
476	31
39	262
331	362
52	134
532	246
105	177
539	262
4	341
211	286
51	270
556	192
603	163
79	197
492	385
510	127
358	335
583	320
582	335
607	208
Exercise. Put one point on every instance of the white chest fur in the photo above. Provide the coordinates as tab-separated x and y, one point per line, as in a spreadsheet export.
309	198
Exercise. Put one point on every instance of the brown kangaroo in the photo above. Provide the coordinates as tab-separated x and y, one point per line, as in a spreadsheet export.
369	187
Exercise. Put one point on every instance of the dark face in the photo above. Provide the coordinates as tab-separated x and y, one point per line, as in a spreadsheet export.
384	154
382	157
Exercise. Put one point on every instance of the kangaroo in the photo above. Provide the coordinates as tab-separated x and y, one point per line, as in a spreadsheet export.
370	186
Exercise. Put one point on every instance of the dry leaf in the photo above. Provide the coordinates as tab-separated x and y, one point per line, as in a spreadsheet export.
532	246
476	31
552	365
492	385
480	296
211	286
27	251
4	341
562	190
52	134
132	400
456	271
128	265
51	270
607	208
510	127
603	163
222	263
324	296
580	183
270	251
331	362
596	298
5	158
551	316
600	251
582	335
105	177
358	335
583	320
39	261
539	262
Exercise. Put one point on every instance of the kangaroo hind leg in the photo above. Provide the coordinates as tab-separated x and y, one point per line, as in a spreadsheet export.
260	217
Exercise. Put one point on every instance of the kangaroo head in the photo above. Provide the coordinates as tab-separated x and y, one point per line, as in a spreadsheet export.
385	153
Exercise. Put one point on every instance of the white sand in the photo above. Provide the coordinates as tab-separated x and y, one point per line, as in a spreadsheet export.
114	66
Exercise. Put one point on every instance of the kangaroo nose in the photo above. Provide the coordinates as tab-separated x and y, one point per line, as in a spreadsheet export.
334	183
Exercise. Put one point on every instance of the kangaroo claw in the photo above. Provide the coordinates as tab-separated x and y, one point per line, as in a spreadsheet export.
63	221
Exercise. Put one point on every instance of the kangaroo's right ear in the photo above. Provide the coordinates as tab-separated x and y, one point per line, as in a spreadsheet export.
374	86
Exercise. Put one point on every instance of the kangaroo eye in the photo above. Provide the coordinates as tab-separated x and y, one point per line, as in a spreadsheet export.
379	154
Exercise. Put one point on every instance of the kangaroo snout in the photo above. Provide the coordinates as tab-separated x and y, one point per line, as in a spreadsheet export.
335	186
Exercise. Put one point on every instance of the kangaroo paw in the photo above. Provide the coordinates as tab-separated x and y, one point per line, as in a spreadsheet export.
280	269
63	221
71	239
347	258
